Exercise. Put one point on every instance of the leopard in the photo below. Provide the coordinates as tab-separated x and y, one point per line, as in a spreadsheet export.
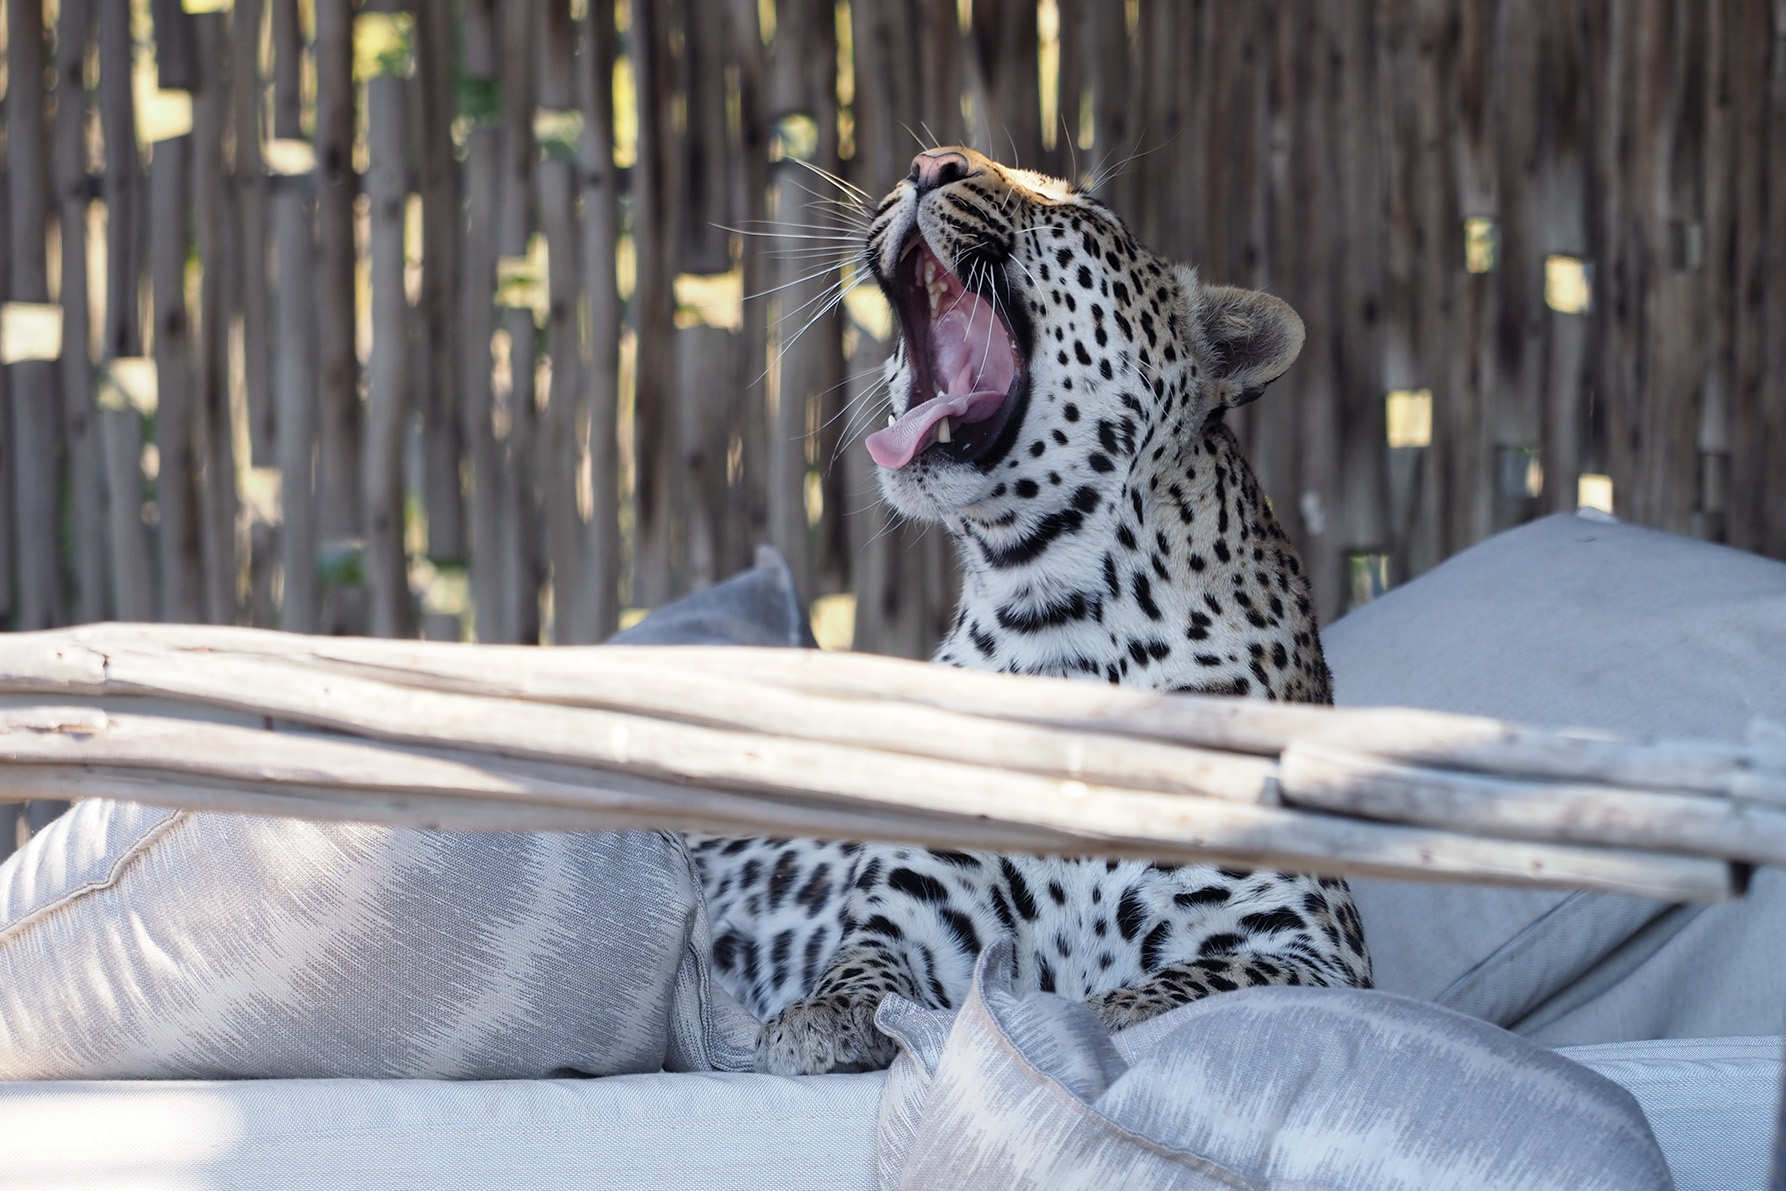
1057	401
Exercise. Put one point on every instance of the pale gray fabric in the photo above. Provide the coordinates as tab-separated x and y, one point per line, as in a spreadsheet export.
1711	1102
1572	621
1326	1089
143	943
1695	972
760	606
688	1132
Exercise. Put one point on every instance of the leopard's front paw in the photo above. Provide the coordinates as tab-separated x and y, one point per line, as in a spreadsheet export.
832	1032
1121	1007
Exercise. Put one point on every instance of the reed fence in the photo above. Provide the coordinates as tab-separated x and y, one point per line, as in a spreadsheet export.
429	318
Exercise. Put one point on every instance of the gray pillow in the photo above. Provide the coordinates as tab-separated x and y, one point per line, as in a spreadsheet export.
1271	1087
760	606
1567	621
144	943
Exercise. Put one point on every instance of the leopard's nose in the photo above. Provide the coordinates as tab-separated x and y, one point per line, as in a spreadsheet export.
938	167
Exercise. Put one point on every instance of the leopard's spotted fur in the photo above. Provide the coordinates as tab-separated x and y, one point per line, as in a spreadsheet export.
1109	529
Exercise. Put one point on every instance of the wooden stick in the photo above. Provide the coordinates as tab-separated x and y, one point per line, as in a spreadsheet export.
1333	779
243	770
800	757
735	686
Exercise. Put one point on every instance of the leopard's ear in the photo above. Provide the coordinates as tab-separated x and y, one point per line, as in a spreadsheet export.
1245	339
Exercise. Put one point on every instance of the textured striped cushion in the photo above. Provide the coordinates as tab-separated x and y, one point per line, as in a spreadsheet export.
1275	1087
137	942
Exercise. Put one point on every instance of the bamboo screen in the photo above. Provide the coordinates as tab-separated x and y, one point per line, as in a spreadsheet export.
427	317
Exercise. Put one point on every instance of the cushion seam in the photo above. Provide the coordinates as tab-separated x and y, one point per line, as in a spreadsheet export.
112	877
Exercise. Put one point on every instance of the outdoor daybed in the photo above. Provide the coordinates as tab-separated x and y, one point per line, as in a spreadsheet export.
1570	621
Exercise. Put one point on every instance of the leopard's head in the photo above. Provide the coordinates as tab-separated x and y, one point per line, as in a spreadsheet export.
1042	349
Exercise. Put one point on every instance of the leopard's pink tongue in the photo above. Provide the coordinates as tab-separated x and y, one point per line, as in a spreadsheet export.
911	433
973	363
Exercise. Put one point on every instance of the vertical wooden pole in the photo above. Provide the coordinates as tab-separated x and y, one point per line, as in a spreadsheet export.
747	503
704	353
520	542
1403	367
704	370
477	322
561	442
884	72
381	465
807	359
294	398
10	813
338	399
1005	33
1747	49
654	307
176	488
600	185
436	374
903	576
1070	84
1565	148
294	340
219	259
1114	117
1720	150
250	180
132	577
1518	320
927	97
1773	385
1463	450
1674	332
1440	224
79	414
1273	439
36	432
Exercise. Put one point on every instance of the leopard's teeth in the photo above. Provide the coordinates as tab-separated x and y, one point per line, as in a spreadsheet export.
942	431
891	419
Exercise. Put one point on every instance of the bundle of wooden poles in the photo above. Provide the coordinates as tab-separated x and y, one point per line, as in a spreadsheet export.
850	746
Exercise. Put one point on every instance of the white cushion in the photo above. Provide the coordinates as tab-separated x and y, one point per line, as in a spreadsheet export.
1710	1103
143	943
1567	621
1266	1087
689	1132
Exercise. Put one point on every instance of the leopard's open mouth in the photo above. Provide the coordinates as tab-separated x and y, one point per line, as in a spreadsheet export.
969	382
